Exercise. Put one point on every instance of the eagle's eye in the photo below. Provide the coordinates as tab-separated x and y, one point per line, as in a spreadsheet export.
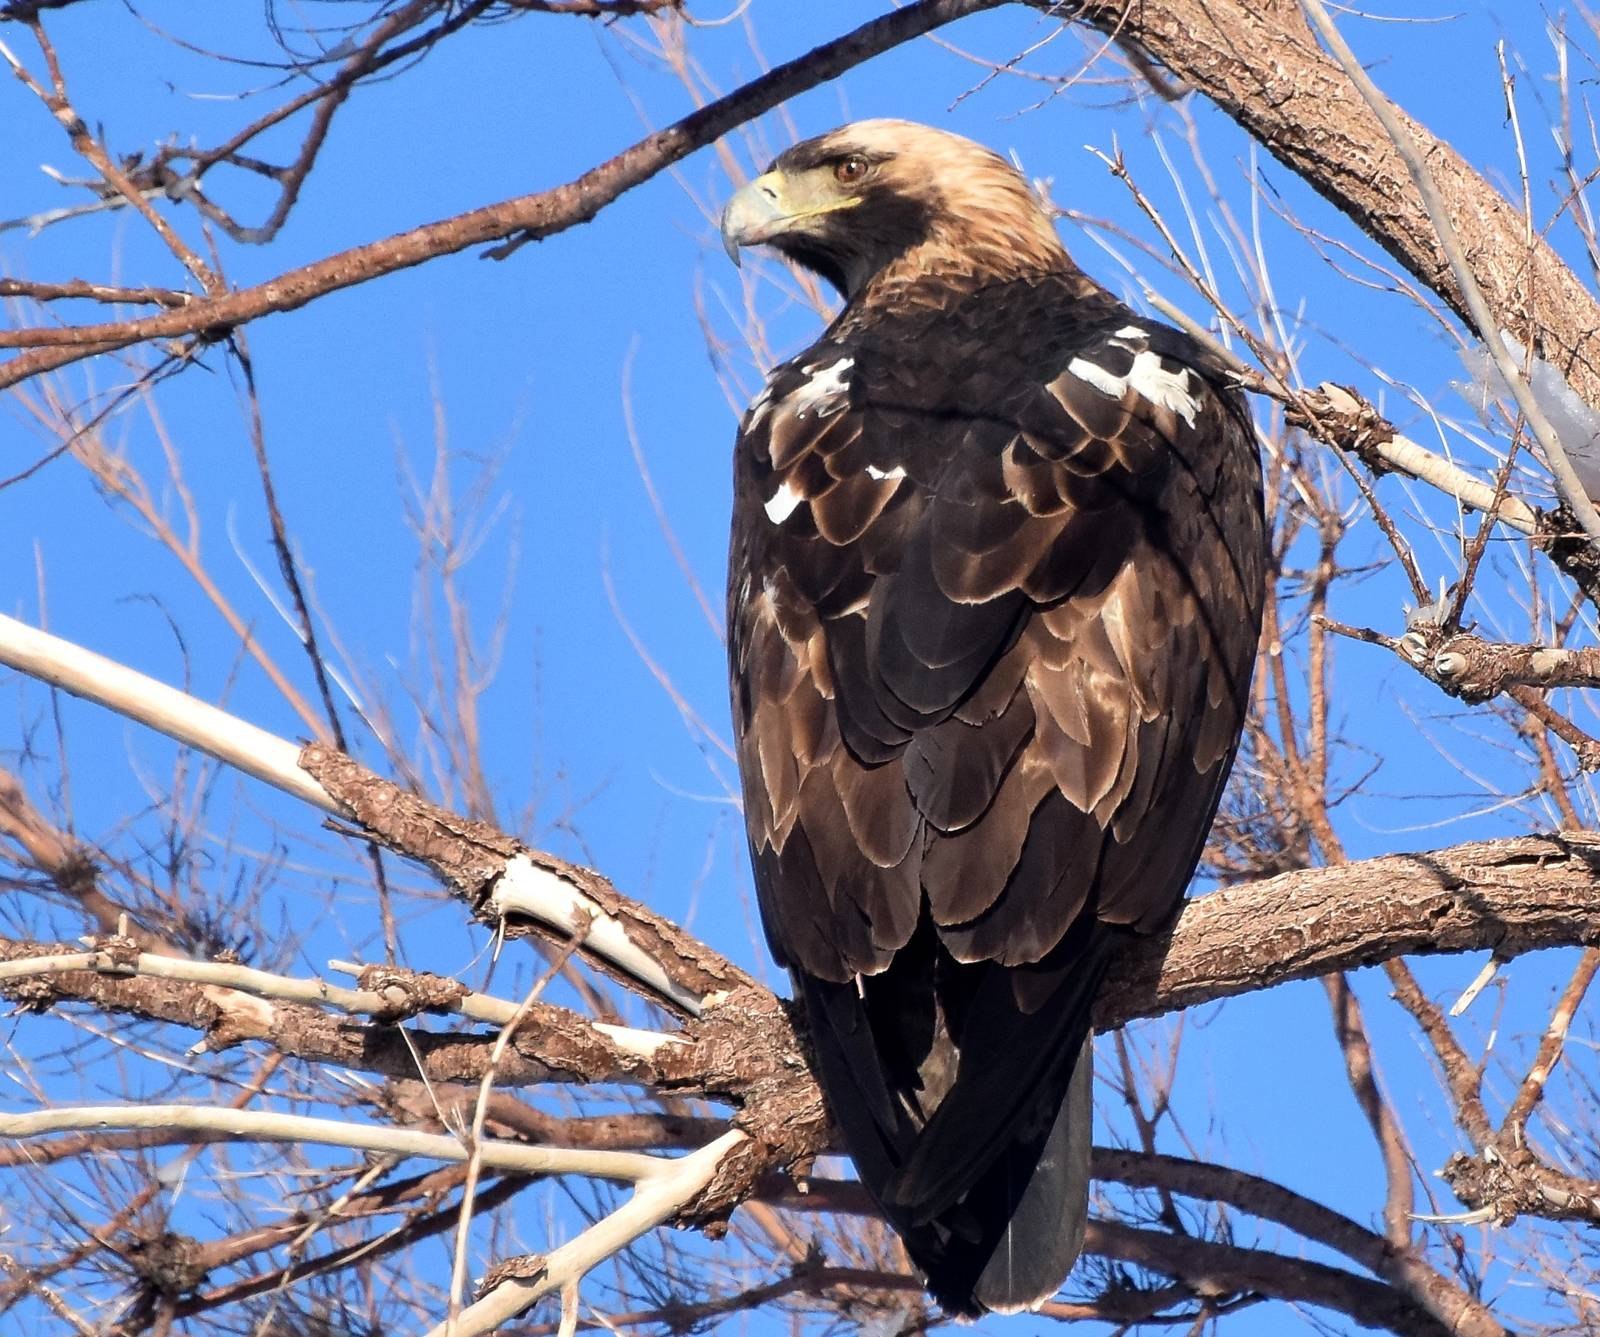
848	170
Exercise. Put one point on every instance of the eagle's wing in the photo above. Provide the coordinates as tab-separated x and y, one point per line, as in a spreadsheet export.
996	656
991	648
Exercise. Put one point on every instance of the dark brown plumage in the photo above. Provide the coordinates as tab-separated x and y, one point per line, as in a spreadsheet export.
994	594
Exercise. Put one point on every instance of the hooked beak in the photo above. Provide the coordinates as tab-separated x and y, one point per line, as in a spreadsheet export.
755	213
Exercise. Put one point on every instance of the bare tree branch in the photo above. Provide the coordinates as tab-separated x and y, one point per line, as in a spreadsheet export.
533	216
1477	670
269	1126
1510	896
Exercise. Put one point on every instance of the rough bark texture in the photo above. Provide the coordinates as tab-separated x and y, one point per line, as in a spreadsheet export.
1512	896
1506	1186
469	856
1258	61
1509	896
1477	670
551	1043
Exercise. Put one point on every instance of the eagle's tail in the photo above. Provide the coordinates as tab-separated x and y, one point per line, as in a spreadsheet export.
1010	1241
989	1188
1045	1232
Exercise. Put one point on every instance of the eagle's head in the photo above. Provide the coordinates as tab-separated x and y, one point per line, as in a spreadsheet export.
879	195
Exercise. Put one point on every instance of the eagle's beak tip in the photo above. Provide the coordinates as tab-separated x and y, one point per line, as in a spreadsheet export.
753	215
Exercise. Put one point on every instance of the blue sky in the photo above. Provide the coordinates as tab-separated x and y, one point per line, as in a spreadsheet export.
533	365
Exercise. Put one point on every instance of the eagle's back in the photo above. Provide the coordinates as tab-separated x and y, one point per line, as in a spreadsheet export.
994	595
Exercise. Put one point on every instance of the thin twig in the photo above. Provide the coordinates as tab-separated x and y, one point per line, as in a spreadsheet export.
1551	1046
266	1126
93	152
1572	490
94	292
475	1139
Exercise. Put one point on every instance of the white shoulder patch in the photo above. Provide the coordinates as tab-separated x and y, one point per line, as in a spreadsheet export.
1174	390
1099	377
1171	389
781	504
826	392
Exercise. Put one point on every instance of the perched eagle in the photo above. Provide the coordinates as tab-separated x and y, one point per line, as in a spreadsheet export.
994	593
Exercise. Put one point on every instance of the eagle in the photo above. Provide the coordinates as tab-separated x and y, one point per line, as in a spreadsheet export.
994	592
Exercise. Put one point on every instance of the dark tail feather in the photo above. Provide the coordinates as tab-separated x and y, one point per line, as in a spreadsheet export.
1011	1241
1045	1234
991	1194
1014	1072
